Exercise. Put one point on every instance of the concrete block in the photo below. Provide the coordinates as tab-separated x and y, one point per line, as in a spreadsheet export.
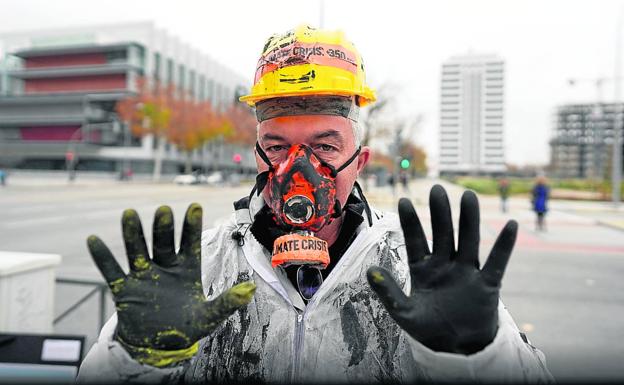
27	282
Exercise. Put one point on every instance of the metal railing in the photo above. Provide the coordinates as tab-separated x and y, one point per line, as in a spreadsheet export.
98	287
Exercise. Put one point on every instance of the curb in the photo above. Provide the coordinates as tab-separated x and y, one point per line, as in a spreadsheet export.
613	226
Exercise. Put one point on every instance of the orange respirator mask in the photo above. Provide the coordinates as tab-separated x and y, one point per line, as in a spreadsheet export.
302	196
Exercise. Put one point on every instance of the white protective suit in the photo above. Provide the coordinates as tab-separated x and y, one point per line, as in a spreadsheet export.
344	334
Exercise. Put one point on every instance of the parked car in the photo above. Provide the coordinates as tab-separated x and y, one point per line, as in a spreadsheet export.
186	179
215	178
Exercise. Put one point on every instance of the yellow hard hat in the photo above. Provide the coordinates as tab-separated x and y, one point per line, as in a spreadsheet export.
309	61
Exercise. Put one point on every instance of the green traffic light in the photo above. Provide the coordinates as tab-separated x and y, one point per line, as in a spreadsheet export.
405	163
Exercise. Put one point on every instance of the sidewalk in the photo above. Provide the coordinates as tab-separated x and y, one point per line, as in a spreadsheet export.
603	213
28	178
586	212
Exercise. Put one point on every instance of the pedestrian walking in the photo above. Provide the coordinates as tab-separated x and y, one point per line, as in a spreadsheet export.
392	183
404	181
503	192
539	201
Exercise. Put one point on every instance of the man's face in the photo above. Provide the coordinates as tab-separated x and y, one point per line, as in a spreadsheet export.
330	137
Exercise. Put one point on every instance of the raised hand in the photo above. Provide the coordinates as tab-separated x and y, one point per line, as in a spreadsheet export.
160	302
452	306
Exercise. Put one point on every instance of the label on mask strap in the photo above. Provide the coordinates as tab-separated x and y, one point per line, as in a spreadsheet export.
296	249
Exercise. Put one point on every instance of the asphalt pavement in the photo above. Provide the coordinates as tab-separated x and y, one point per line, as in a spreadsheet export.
563	286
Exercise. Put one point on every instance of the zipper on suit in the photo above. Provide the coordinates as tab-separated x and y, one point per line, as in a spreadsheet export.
298	345
300	318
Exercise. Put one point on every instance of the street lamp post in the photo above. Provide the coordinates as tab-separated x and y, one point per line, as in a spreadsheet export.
616	168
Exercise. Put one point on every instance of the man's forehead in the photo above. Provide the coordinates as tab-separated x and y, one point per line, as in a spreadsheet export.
304	127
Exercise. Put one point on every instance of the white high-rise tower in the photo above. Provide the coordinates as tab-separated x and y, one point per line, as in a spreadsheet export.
472	115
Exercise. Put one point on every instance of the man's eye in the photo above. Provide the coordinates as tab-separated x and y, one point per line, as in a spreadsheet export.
276	148
326	147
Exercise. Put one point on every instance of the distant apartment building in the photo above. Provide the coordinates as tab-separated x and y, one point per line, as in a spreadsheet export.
58	90
582	145
472	115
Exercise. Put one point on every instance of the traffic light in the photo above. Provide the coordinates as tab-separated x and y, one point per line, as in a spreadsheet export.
237	158
405	163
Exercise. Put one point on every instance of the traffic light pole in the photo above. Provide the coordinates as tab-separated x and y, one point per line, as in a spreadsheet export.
397	152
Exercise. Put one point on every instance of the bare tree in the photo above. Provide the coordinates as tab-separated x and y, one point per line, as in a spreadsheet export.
375	118
384	123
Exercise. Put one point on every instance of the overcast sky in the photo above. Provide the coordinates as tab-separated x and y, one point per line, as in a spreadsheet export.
544	43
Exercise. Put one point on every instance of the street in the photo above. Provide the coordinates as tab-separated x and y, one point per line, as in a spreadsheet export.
563	286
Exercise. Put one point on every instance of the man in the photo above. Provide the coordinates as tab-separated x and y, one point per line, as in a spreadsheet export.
340	292
539	201
503	192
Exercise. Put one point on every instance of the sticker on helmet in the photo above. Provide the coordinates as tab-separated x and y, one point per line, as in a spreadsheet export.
298	53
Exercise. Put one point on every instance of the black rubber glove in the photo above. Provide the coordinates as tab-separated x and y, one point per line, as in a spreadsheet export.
453	305
160	302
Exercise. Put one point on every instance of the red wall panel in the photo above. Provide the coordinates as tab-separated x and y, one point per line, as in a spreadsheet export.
77	83
49	133
65	60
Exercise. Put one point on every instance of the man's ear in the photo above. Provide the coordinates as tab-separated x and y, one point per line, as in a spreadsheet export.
363	158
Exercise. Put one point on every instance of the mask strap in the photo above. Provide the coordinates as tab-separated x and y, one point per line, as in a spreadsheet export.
369	215
338	211
348	162
263	156
253	190
263	177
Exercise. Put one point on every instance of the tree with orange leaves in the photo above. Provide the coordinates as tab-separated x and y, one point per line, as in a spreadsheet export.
193	124
173	115
243	124
148	112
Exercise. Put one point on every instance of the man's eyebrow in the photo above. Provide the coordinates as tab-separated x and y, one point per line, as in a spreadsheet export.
266	137
329	134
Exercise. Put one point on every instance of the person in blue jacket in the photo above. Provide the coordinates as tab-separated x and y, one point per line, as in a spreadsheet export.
540	200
